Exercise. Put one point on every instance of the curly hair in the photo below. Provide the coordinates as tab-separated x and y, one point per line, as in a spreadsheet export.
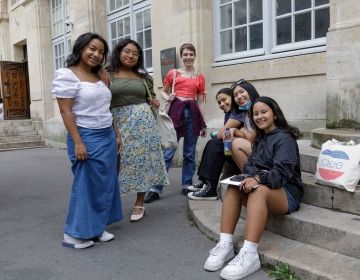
81	42
115	63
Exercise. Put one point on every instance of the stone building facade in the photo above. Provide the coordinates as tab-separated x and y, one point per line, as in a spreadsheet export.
305	54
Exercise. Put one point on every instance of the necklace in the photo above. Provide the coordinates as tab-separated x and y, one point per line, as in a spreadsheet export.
185	73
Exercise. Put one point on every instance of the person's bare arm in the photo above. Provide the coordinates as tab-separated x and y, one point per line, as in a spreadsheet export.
65	105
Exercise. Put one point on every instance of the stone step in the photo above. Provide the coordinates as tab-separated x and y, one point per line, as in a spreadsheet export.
21	145
17	133
325	222
11	128
15	123
327	229
19	138
330	197
321	135
309	262
308	156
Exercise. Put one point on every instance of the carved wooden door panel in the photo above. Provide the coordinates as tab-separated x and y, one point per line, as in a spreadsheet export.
15	90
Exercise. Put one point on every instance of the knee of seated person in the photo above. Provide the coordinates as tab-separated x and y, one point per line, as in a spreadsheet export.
260	191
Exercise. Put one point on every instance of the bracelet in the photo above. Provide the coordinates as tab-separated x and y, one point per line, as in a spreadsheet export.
257	179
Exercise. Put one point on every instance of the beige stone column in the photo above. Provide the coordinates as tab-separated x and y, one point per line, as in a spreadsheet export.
181	22
343	65
4	31
87	16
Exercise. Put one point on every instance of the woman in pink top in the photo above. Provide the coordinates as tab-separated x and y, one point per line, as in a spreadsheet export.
187	113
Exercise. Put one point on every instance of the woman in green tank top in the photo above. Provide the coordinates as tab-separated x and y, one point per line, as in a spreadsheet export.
142	163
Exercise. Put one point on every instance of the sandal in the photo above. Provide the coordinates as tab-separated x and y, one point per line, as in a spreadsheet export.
138	217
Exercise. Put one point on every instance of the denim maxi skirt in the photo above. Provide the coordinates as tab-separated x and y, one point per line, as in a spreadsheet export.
95	197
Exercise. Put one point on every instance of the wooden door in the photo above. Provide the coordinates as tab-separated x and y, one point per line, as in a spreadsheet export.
15	90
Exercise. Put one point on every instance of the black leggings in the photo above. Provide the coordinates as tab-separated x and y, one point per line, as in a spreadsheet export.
212	162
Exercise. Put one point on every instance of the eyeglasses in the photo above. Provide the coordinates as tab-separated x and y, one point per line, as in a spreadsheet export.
239	82
127	51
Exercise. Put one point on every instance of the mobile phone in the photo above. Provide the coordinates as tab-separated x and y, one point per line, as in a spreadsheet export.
239	178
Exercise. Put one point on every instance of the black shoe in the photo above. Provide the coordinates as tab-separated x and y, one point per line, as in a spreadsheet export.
197	187
151	197
206	193
185	191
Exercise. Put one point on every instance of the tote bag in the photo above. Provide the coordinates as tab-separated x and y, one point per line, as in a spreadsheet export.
165	125
166	130
338	165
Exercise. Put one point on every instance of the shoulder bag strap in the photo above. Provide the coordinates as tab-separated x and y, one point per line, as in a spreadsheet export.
173	82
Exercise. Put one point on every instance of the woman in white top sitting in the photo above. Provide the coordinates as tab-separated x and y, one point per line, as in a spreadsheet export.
84	102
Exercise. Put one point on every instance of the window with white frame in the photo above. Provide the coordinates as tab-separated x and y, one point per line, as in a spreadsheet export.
246	28
60	32
131	19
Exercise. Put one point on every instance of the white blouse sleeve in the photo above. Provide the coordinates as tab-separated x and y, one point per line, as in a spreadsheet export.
65	83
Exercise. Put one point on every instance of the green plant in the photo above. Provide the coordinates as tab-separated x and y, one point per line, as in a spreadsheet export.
282	271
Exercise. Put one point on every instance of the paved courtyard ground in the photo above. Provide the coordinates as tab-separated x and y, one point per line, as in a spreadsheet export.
34	193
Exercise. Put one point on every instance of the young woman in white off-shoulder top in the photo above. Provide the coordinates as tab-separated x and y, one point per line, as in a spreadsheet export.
92	145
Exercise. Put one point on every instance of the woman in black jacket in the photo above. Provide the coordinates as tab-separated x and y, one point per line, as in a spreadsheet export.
272	186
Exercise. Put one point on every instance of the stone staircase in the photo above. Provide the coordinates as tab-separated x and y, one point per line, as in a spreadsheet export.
320	241
19	134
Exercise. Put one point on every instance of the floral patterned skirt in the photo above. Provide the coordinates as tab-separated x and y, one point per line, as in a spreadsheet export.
142	163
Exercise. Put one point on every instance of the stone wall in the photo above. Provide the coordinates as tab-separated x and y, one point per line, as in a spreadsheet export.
342	65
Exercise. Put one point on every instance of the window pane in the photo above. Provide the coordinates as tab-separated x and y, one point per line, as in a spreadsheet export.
118	4
224	1
112	5
302	4
256	10
127	25
283	7
256	36
69	46
240	39
139	23
226	42
120	28
126	2
240	12
113	44
303	27
322	22
148	58
283	31
147	18
321	2
225	16
140	39
113	30
148	43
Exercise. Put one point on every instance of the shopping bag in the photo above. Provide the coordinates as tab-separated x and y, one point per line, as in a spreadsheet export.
166	130
338	165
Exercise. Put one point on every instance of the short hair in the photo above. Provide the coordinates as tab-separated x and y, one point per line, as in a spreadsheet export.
115	63
188	46
81	42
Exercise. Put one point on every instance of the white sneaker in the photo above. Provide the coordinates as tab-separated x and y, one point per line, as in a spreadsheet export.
241	266
106	236
76	243
218	256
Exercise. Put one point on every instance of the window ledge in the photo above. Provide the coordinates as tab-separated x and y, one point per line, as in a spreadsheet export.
220	63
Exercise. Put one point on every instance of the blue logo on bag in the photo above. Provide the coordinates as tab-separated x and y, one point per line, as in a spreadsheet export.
331	166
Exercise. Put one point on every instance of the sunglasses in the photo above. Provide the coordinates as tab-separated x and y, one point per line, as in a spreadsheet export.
239	82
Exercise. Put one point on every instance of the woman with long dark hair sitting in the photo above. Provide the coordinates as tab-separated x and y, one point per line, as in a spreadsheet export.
272	186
